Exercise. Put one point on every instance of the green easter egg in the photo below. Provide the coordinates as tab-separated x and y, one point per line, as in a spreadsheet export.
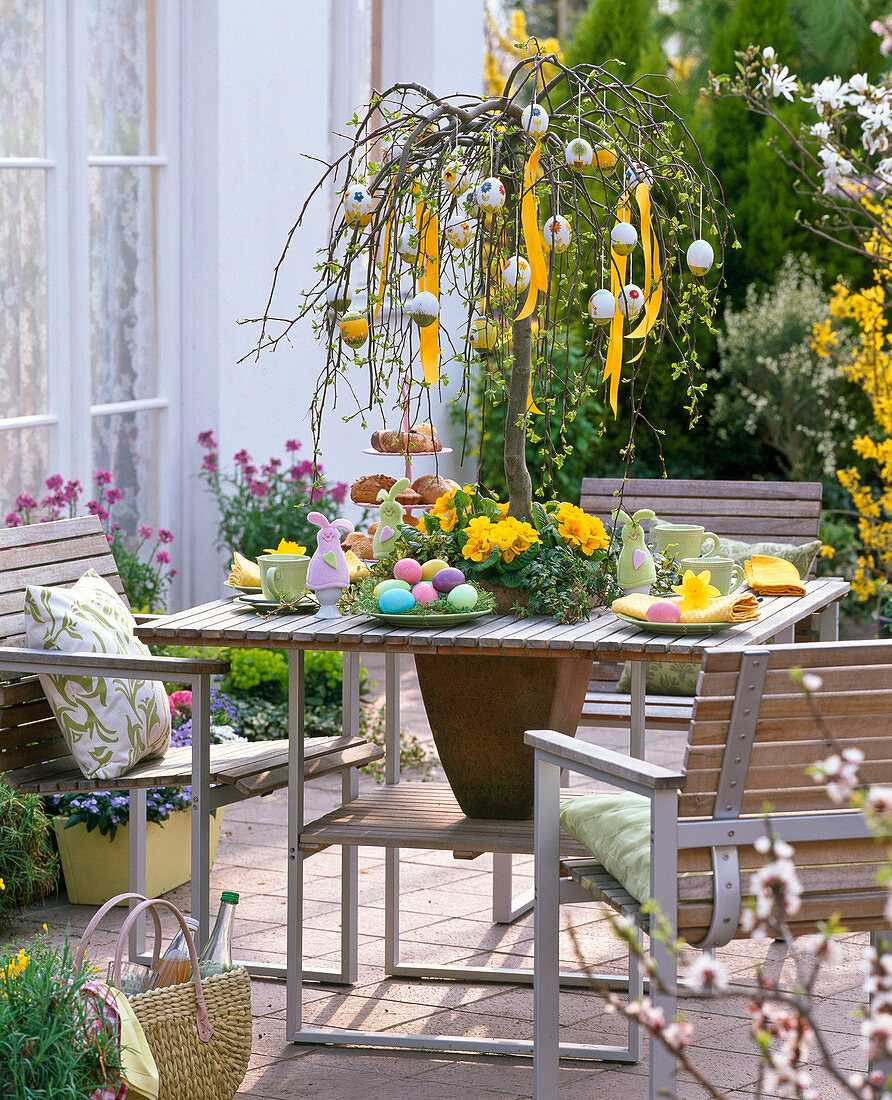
385	586
462	598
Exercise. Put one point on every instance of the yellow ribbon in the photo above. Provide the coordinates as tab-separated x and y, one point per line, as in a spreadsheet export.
530	221
613	365
429	279
385	260
653	294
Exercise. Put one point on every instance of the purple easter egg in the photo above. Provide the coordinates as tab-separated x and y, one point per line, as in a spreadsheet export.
447	579
407	569
424	592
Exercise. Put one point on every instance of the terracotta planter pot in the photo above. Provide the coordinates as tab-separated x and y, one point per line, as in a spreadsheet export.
479	708
96	867
506	597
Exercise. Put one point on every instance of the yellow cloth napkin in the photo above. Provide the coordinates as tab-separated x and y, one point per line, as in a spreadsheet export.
138	1066
720	609
773	576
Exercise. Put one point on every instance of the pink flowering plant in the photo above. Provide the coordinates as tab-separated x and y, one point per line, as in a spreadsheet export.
258	506
144	562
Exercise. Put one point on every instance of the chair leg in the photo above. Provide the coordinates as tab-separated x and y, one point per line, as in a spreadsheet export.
664	890
137	877
546	974
350	853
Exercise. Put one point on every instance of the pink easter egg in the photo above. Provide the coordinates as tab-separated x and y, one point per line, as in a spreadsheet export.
663	611
407	569
424	592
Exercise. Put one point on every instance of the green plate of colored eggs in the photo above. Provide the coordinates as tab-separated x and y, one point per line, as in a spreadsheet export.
421	621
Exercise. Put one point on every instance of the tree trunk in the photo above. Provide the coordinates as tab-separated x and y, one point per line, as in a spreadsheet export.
520	486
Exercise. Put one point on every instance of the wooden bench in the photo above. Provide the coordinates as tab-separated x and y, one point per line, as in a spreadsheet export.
749	511
753	735
34	756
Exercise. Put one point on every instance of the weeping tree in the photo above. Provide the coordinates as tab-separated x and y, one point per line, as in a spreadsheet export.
572	203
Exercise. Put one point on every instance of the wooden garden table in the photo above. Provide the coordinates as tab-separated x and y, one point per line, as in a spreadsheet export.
426	815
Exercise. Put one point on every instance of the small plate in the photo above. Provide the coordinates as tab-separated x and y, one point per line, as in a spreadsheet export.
243	588
261	603
404	456
425	622
676	628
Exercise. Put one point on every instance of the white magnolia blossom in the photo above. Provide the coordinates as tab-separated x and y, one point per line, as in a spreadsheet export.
779	81
833	162
768	55
831	94
821	130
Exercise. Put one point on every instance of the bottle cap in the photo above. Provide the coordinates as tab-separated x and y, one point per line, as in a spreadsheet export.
229	895
191	923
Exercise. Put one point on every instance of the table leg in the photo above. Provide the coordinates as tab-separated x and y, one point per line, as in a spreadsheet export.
201	798
137	877
350	854
786	636
828	623
295	906
636	709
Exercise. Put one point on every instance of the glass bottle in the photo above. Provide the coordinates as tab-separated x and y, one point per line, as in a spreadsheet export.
175	966
217	954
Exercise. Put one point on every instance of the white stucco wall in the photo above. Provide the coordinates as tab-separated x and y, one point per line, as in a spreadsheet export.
289	72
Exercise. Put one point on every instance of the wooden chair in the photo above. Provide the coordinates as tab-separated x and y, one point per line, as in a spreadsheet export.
34	757
753	735
750	511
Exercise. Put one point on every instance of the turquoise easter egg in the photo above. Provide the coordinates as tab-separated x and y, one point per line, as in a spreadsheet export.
388	585
395	600
462	598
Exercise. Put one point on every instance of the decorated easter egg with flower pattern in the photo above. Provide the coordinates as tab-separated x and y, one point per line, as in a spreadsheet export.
578	154
354	329
423	308
459	232
635	172
557	234
623	238
454	175
491	194
534	119
358	205
468	202
602	307
700	256
630	300
516	273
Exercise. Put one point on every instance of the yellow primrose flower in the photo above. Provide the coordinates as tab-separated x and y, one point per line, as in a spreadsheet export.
480	539
2	884
286	547
449	520
695	590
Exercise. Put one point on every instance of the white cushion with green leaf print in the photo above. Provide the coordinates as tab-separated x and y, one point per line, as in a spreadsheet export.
110	724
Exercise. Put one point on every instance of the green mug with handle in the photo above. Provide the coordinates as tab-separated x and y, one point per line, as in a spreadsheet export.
724	574
283	577
684	540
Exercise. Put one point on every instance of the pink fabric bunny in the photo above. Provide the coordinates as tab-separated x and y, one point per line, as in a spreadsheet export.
328	567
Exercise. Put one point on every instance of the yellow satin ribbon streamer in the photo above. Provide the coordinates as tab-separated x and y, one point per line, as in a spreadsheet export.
613	365
429	279
653	294
385	260
530	221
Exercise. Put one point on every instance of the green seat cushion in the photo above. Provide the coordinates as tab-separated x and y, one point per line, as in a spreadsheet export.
663	678
802	557
615	828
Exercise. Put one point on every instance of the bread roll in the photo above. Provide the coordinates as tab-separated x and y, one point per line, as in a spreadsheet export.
365	489
430	487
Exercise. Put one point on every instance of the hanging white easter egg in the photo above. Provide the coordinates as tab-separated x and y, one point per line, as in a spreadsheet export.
534	120
516	273
454	175
700	256
602	307
635	172
557	234
623	238
423	308
407	246
459	232
467	203
339	297
578	154
358	205
391	151
491	194
630	300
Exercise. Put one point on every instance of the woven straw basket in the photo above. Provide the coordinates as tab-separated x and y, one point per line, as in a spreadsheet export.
199	1031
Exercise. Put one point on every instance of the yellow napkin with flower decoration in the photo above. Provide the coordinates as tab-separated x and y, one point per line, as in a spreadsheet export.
773	576
720	609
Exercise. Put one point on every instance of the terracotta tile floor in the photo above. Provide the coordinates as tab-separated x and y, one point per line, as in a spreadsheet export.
445	917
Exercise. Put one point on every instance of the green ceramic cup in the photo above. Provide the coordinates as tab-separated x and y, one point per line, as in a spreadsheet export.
725	574
283	577
684	540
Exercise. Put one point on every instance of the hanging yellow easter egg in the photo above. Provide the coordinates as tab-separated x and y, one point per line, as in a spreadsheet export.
557	234
358	205
486	334
605	159
354	329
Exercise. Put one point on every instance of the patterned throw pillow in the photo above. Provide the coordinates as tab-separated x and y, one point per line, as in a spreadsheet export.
802	557
109	724
663	678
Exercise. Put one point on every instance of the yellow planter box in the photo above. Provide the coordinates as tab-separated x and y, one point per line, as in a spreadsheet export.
96	867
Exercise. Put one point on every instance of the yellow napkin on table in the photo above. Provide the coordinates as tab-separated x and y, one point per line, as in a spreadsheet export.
720	609
773	576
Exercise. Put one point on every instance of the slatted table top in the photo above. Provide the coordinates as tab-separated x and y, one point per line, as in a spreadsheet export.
227	622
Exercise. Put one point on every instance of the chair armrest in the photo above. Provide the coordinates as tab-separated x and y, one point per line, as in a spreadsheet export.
603	763
109	664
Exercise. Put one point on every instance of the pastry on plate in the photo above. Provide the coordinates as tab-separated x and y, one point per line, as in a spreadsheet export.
366	488
430	487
